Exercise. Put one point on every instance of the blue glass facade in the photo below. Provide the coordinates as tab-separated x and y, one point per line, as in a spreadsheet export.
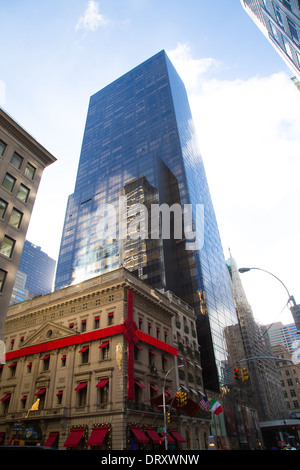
35	274
139	134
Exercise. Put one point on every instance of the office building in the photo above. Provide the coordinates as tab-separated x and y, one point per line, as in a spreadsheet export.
140	153
279	21
22	162
286	335
35	274
96	356
261	369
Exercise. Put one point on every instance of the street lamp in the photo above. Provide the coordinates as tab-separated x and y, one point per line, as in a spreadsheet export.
164	404
291	297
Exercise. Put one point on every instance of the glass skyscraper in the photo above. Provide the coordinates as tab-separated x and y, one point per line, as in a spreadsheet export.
139	155
35	274
279	21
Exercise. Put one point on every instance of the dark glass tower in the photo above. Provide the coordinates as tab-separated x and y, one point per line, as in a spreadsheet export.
139	143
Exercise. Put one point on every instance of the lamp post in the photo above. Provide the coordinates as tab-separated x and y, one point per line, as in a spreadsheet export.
295	309
291	297
164	404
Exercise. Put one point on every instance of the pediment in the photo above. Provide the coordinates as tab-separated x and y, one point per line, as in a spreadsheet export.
48	332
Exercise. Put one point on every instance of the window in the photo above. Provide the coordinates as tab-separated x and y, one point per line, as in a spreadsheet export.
63	360
84	354
59	397
15	218
287	47
13	368
16	160
275	33
23	193
2	147
266	5
7	246
29	171
278	15
103	388
294	31
2	279
23	402
96	323
3	207
29	367
105	350
9	182
83	326
110	318
81	390
287	4
46	362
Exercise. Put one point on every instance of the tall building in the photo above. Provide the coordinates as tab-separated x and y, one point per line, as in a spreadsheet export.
22	162
260	368
279	21
286	335
139	151
35	274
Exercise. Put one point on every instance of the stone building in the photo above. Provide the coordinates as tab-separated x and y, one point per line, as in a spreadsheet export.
22	162
96	357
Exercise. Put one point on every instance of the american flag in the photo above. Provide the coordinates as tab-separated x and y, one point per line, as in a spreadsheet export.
205	403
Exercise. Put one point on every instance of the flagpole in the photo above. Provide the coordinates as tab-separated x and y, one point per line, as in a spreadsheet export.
164	404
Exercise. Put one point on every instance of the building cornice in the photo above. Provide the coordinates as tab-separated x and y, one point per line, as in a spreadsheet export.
22	136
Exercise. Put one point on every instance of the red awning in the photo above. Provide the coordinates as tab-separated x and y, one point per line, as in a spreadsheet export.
177	436
81	386
170	438
74	437
82	350
6	397
45	357
24	398
52	437
153	436
139	384
13	364
152	352
139	434
97	436
154	387
40	392
103	345
102	383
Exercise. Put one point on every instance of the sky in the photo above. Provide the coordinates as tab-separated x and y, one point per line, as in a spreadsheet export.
56	54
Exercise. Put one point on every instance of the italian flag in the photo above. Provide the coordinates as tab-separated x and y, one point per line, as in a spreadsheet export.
215	407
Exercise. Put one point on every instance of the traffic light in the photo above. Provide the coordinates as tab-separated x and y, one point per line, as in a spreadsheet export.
244	375
237	374
168	418
178	399
183	399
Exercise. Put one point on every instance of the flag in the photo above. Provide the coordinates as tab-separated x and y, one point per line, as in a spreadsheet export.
34	407
205	403
215	407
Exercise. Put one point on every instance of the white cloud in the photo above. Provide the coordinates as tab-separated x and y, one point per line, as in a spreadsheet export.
92	19
192	71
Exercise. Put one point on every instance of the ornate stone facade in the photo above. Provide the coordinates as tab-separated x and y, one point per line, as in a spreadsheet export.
96	356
